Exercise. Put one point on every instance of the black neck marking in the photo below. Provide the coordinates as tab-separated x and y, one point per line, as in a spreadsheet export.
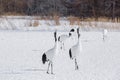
55	33
78	30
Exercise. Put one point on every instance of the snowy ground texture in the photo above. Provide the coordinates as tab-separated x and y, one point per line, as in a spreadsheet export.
21	51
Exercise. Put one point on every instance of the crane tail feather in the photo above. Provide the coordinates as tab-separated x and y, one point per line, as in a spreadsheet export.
44	58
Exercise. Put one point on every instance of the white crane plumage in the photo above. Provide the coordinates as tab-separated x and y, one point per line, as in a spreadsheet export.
75	50
63	38
49	55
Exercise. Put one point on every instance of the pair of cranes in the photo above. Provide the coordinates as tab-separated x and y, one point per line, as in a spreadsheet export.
73	51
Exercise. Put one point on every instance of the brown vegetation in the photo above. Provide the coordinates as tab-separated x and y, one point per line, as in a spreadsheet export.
83	9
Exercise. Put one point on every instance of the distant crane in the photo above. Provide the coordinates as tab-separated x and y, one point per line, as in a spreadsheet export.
105	32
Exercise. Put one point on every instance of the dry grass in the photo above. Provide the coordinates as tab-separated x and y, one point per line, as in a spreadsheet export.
37	18
36	23
46	18
102	22
74	20
102	19
56	20
78	21
13	14
30	23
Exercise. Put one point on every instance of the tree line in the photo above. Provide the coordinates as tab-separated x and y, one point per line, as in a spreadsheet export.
79	8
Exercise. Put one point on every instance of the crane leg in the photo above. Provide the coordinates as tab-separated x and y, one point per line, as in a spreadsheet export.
51	68
76	65
48	68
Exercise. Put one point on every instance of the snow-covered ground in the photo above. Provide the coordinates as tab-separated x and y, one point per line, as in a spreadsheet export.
21	51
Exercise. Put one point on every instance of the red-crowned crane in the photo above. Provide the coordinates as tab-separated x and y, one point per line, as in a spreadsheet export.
49	55
75	50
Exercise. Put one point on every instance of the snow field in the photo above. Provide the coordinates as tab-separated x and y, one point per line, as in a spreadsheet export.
20	57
